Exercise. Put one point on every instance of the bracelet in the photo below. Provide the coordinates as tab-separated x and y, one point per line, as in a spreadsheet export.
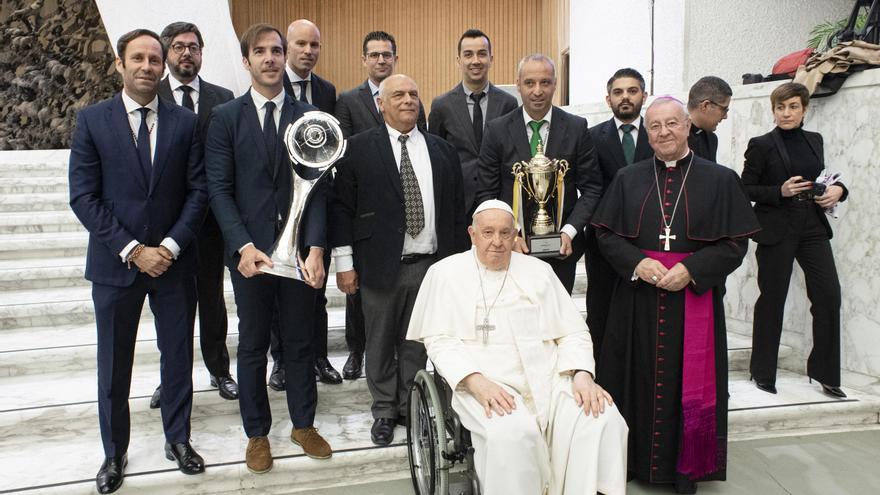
135	252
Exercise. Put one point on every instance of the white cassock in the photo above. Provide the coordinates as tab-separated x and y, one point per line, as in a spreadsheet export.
548	445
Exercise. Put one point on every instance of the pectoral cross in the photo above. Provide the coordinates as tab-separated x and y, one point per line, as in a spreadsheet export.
666	237
485	327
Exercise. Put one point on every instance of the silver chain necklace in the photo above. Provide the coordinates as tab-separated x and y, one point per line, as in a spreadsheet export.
667	226
485	326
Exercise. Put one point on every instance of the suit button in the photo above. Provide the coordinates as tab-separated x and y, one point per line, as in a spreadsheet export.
400	230
145	227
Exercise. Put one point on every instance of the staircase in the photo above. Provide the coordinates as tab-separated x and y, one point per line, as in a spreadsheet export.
48	408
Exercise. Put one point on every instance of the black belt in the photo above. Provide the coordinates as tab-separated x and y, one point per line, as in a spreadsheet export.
408	259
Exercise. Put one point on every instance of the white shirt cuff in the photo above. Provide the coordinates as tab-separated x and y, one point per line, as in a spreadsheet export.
568	229
343	258
246	245
127	249
172	246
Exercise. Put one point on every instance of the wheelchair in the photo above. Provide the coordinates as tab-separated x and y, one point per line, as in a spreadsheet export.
437	442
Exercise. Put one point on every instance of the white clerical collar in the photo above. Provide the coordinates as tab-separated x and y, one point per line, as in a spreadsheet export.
674	163
374	89
260	100
546	118
174	83
294	77
637	123
468	92
131	105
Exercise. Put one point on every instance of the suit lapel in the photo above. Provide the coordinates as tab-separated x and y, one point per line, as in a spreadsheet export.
558	131
165	90
118	122
816	147
494	109
612	137
643	147
368	101
386	157
253	126
460	110
780	146
280	148
436	157
167	128
516	129
207	100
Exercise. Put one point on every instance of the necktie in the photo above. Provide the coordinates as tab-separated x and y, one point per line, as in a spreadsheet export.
302	90
143	145
187	99
629	145
536	135
412	196
270	132
478	117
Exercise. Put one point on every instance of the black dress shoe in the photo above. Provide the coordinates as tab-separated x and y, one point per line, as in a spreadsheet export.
154	400
833	391
188	460
684	485
325	372
109	477
765	385
382	432
276	379
226	385
354	366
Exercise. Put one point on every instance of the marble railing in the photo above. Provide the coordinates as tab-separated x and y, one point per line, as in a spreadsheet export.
850	126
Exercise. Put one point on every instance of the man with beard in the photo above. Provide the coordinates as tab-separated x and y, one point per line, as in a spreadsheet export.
460	115
708	104
184	87
620	141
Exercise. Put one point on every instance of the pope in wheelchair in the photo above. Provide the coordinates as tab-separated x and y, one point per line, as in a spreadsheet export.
517	355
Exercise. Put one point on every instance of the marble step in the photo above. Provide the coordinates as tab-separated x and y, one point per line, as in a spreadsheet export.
39	221
41	163
51	201
32	184
42	273
43	245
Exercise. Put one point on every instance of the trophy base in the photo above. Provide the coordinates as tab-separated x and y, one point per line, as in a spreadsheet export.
545	246
285	271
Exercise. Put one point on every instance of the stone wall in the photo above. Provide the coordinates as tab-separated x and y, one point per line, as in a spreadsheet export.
55	58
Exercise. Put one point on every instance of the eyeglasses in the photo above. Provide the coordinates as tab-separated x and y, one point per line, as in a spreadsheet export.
672	125
179	48
505	235
724	109
376	55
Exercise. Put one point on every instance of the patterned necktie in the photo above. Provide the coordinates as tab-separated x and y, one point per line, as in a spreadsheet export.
270	132
629	145
412	196
536	135
187	101
302	91
143	145
478	117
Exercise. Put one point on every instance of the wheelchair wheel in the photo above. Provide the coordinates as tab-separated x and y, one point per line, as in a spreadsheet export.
426	438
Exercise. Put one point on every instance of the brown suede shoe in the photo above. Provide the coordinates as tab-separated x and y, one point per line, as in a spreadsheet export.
311	442
258	456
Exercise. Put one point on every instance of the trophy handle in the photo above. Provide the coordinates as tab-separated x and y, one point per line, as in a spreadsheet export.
560	191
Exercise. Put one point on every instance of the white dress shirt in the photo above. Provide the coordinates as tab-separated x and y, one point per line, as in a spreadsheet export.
177	92
374	90
294	83
134	121
484	103
634	133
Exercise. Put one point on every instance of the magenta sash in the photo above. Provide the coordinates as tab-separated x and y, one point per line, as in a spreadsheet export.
699	449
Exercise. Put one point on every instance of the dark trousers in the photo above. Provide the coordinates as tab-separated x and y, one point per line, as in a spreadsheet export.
565	268
355	328
319	344
117	313
600	284
213	324
257	298
807	242
392	361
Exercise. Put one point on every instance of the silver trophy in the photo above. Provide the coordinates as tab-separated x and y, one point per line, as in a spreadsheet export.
315	143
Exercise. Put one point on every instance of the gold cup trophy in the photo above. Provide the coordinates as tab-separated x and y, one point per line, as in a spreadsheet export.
542	179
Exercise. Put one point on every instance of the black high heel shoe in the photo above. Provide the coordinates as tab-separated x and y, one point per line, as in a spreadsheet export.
764	385
831	391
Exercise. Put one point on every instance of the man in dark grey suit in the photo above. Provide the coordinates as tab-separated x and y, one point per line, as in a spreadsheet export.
460	115
514	137
184	87
620	141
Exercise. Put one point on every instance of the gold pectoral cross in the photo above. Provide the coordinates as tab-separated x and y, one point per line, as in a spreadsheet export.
666	237
485	327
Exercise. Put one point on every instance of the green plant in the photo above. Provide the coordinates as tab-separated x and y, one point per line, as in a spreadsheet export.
824	35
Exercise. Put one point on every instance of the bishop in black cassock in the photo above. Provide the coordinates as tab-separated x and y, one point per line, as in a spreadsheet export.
672	227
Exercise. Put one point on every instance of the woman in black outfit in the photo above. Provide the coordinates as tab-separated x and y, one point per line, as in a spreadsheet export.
779	171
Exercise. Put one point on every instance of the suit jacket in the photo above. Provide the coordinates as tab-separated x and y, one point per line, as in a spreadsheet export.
704	144
450	120
250	193
210	95
505	142
323	93
367	211
609	150
116	204
356	111
766	167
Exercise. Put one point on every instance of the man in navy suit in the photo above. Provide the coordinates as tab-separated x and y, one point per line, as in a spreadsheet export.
249	179
138	186
620	141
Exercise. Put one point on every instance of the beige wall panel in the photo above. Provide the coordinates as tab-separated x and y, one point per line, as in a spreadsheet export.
426	32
